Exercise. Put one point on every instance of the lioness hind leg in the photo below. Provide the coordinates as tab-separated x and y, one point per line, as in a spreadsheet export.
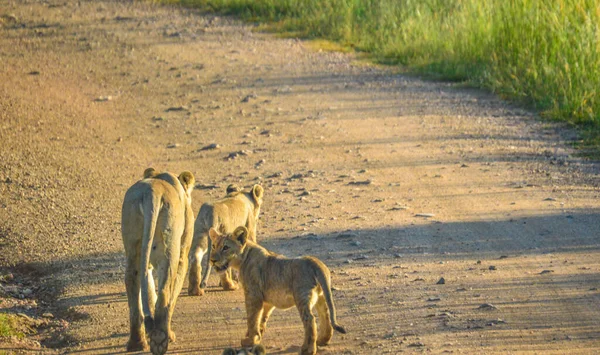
325	328
159	334
137	339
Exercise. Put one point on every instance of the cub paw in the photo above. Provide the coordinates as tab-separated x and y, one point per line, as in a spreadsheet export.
308	350
172	337
159	342
230	286
250	341
196	291
133	346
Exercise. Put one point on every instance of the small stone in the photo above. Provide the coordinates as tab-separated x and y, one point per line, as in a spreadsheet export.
211	146
549	199
234	155
441	281
487	306
176	108
390	336
173	145
425	215
206	186
365	182
546	272
433	299
416	345
346	235
361	257
492	267
355	243
103	98
248	97
27	292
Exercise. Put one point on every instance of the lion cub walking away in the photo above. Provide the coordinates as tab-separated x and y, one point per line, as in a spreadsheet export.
157	225
257	349
274	281
238	208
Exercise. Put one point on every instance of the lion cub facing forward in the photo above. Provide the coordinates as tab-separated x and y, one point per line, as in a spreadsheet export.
272	281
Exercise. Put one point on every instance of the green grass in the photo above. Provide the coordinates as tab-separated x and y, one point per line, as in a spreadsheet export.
9	327
541	53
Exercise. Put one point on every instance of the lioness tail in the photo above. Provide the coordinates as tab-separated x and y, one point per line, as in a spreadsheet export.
151	210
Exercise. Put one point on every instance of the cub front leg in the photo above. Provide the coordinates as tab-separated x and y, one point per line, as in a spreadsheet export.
267	310
197	252
254	311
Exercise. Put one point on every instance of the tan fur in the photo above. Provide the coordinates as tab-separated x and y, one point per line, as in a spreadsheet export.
157	225
257	349
274	281
238	208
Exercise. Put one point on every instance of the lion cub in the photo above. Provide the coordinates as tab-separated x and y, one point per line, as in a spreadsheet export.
239	208
274	281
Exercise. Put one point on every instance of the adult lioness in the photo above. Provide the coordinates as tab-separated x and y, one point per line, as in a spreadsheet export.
238	208
157	225
273	281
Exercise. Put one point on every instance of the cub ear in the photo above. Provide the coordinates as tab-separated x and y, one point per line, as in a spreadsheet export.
150	172
241	235
257	192
214	235
187	180
233	188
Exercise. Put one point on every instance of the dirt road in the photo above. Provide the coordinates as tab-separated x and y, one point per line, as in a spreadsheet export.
392	181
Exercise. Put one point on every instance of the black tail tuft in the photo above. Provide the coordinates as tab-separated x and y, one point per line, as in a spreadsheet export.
339	328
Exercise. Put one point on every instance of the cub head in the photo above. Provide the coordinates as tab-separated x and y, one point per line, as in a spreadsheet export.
227	249
188	181
149	173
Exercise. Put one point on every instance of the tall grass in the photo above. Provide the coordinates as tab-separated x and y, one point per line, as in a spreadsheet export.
544	53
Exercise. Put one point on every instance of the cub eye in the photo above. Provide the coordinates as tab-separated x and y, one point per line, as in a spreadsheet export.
225	247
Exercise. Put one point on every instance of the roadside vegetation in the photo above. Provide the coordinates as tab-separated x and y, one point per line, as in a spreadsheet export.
545	54
9	327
